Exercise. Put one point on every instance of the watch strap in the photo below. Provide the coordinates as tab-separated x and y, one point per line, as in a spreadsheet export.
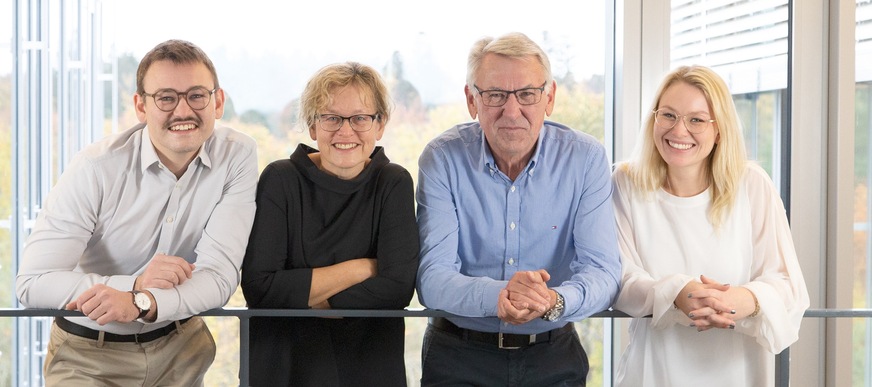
554	313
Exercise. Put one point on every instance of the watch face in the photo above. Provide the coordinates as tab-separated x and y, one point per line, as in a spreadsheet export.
142	301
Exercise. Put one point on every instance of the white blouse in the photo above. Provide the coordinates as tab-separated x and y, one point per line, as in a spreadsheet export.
667	241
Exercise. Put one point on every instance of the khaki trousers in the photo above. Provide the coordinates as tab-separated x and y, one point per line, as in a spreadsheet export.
180	358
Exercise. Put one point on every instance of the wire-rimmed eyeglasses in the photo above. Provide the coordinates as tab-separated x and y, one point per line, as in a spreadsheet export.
198	97
497	98
358	122
667	119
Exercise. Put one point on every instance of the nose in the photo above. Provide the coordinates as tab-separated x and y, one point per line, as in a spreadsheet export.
682	122
182	108
512	107
343	125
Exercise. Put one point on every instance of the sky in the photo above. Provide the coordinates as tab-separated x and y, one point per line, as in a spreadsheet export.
265	50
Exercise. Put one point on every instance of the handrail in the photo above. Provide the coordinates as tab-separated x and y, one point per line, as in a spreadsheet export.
782	377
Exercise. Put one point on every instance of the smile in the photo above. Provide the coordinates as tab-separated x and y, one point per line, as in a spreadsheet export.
679	146
345	146
179	128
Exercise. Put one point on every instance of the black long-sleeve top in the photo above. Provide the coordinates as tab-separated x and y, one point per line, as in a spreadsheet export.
306	219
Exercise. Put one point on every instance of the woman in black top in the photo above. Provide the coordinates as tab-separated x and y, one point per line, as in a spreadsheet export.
335	228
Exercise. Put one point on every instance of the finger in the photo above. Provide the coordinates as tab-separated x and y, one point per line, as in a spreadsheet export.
503	304
188	269
73	305
703	293
721	320
520	305
518	316
534	302
159	283
544	274
527	294
722	307
700	314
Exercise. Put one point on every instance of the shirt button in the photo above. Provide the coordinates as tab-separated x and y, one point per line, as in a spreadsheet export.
512	226
513	188
511	261
169	219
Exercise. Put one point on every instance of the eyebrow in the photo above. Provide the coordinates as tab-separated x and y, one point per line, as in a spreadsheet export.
693	112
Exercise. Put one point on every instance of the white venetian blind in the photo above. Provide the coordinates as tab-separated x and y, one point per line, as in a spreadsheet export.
744	41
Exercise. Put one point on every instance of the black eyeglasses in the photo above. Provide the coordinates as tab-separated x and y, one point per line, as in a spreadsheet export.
525	96
198	97
358	122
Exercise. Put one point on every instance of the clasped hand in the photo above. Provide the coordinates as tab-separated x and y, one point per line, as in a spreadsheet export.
526	297
105	304
708	303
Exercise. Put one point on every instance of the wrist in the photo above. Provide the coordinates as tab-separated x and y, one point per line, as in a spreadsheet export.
557	307
756	306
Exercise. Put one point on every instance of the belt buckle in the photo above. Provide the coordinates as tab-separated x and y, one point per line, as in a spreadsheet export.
501	346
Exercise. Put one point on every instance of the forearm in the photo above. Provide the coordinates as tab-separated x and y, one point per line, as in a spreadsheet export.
459	294
390	289
53	290
205	290
330	280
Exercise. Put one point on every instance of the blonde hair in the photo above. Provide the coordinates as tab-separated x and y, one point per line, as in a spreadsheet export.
726	163
318	92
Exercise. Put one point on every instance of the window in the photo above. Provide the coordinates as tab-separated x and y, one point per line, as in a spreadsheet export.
745	42
79	60
862	289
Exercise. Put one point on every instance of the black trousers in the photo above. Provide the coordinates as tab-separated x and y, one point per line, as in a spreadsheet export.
448	360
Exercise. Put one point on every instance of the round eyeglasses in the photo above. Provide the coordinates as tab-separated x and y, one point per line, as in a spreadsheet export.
358	122
198	97
497	98
667	119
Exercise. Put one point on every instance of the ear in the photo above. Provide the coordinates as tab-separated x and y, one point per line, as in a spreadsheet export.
219	103
312	133
550	104
380	130
139	105
470	102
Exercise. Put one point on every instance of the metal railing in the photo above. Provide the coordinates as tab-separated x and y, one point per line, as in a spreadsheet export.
782	360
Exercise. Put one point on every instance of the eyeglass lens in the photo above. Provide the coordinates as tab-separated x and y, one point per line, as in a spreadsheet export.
359	123
496	98
197	97
668	119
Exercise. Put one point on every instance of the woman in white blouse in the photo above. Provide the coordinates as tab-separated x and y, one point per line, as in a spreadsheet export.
706	247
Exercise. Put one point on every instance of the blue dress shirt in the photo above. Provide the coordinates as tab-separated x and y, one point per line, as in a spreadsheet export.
478	227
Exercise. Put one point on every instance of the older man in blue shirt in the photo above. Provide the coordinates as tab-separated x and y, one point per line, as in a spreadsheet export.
517	230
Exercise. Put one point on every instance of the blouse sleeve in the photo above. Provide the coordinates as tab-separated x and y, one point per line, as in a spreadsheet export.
266	281
776	278
642	295
397	251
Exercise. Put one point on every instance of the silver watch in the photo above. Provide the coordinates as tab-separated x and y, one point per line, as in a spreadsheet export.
142	302
554	313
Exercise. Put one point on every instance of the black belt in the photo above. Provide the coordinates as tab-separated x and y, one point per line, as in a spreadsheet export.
88	333
500	340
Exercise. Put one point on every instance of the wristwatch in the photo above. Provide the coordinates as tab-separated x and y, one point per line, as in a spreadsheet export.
554	313
142	302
